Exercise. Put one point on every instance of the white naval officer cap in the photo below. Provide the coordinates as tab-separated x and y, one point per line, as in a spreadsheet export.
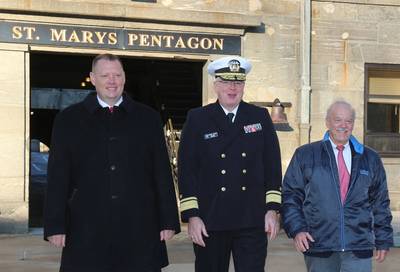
232	68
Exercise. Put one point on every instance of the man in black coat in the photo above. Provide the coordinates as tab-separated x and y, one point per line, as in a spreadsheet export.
230	175
110	200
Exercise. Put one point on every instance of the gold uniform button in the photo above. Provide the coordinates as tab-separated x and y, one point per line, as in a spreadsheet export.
223	172
223	155
223	189
244	171
243	154
244	188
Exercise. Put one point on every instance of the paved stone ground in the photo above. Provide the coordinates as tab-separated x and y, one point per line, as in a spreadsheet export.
29	253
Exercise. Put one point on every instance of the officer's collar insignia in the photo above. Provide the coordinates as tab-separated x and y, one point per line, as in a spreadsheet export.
234	65
252	128
210	135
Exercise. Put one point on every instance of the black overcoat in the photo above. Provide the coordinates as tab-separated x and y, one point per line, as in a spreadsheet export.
110	188
229	174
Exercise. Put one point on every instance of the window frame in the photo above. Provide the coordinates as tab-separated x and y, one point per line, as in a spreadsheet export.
368	68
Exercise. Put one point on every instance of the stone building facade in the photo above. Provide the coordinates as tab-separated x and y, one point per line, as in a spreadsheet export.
305	53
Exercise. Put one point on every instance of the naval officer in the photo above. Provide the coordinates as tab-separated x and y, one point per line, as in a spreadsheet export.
230	175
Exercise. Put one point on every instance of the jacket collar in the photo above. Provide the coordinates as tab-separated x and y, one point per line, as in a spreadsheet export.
92	104
358	147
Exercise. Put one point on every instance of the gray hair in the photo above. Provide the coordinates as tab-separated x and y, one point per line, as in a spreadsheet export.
340	103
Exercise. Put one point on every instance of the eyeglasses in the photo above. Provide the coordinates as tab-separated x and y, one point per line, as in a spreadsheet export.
230	83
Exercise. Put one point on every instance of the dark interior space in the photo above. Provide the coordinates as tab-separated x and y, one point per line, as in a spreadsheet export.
171	87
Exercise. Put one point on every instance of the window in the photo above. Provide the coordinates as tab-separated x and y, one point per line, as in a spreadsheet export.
382	106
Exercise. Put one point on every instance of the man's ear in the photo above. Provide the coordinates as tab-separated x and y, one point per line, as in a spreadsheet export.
92	79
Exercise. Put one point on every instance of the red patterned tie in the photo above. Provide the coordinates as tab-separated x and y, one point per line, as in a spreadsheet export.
344	176
111	109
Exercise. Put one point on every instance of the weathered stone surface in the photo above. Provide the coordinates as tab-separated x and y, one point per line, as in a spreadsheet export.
281	7
379	14
283	25
12	188
13	217
346	76
381	53
333	11
324	51
12	155
224	13
392	166
354	52
210	5
334	30
389	33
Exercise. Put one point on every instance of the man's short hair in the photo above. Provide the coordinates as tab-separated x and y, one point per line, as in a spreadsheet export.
342	103
106	56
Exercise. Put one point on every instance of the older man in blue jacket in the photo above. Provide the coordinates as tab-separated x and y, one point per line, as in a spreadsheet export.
335	199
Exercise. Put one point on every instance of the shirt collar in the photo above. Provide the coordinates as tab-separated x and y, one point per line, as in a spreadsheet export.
105	105
346	145
92	103
234	111
358	147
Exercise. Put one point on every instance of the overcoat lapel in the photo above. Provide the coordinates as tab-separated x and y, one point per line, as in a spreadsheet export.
95	119
219	118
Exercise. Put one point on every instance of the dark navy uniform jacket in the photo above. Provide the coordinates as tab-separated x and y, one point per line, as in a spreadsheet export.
229	174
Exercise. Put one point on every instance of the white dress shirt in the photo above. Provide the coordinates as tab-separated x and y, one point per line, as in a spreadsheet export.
234	111
346	154
105	105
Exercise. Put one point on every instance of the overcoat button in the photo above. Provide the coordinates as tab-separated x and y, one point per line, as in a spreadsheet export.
244	188
243	154
113	167
223	172
244	171
223	189
223	155
114	197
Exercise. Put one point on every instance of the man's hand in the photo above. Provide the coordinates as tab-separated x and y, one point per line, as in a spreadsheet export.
166	235
301	241
271	223
380	255
57	240
196	230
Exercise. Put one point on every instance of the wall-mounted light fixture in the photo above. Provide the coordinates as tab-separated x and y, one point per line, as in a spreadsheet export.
278	114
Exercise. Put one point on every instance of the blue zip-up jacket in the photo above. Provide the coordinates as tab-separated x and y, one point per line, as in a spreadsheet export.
311	199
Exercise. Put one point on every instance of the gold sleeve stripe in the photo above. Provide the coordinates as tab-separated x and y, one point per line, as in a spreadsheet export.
273	196
189	203
274	192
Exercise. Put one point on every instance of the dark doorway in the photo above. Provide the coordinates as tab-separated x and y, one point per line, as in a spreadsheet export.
171	87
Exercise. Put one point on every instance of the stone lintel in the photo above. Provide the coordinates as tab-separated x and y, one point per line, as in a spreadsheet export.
131	11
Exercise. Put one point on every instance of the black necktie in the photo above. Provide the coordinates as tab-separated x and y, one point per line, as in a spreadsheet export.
230	117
